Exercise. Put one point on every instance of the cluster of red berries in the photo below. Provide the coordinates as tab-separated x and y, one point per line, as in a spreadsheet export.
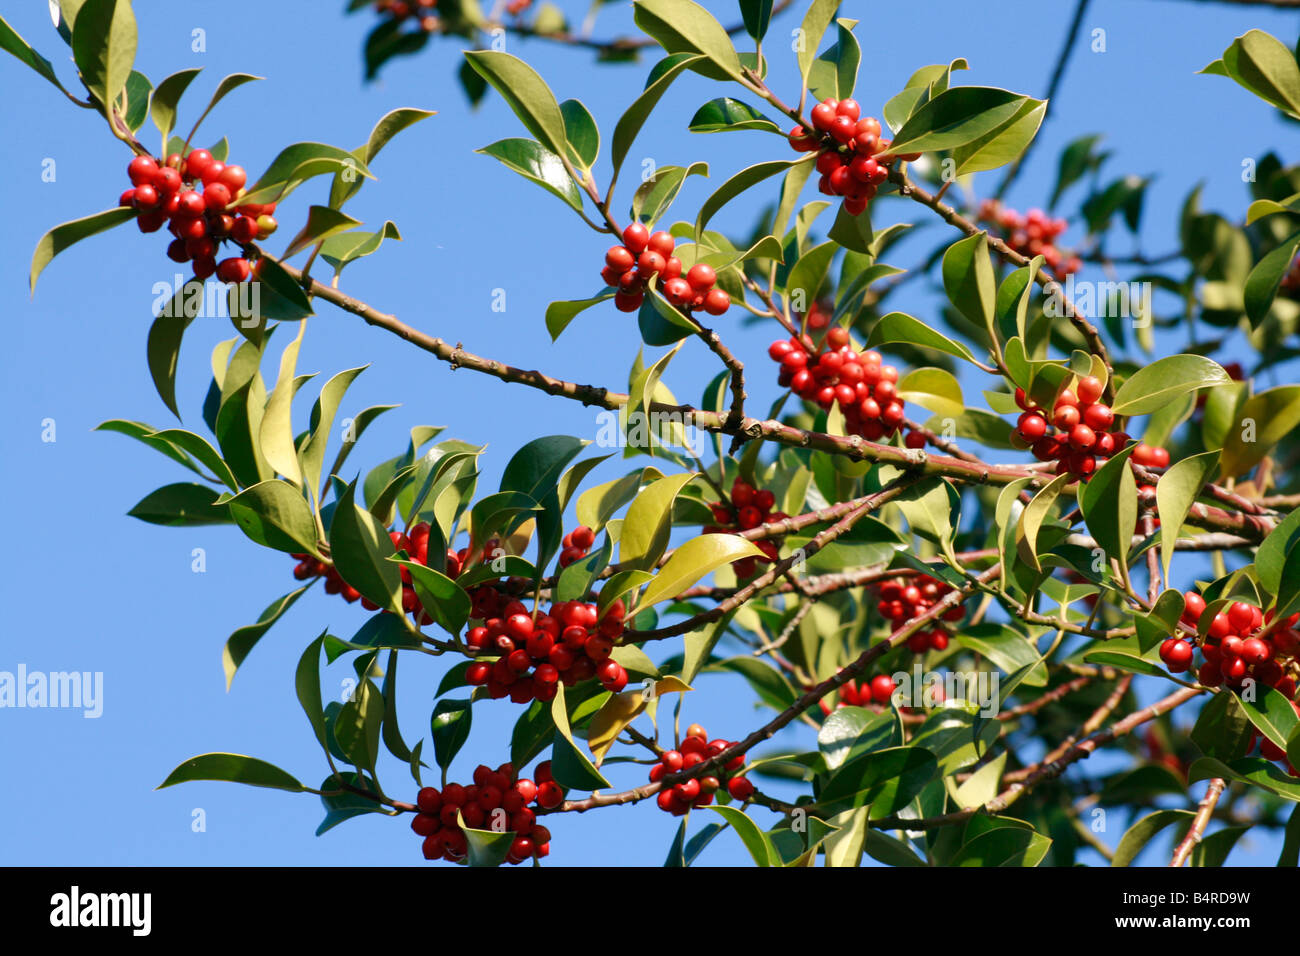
1083	432
415	542
866	389
694	749
400	10
1233	649
879	690
200	220
1031	234
643	256
572	643
905	599
576	544
496	800
847	144
749	507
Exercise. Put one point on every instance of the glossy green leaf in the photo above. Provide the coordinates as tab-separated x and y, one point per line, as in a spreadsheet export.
234	768
727	115
692	561
275	515
534	161
62	236
526	93
360	548
900	327
1176	492
1164	380
1262	421
450	725
103	45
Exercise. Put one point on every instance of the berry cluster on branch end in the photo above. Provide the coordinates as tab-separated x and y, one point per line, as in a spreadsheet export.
645	257
495	801
200	220
847	145
694	749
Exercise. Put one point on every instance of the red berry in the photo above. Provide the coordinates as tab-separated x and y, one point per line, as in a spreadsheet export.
740	788
1089	389
142	170
662	242
234	269
635	237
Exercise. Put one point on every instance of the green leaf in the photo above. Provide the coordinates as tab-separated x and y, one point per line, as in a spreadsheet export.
485	848
1076	159
1272	714
1262	421
163	348
295	164
11	42
835	73
581	133
809	36
360	548
968	279
630	123
1266	277
1153	386
560	314
648	523
692	561
1004	144
534	161
1007	648
569	764
682	26
1032	519
241	642
322	422
1255	771
756	14
1003	846
275	436
850	732
275	515
64	235
307	685
166	98
103	45
1265	66
526	93
133	102
339	250
234	768
389	125
450	726
656	193
1271	555
727	115
445	600
933	388
1140	834
957	117
181	504
900	327
1176	492
322	222
885	780
755	840
1109	505
227	85
737	184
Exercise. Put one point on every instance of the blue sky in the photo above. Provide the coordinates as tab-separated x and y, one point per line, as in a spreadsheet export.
84	587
